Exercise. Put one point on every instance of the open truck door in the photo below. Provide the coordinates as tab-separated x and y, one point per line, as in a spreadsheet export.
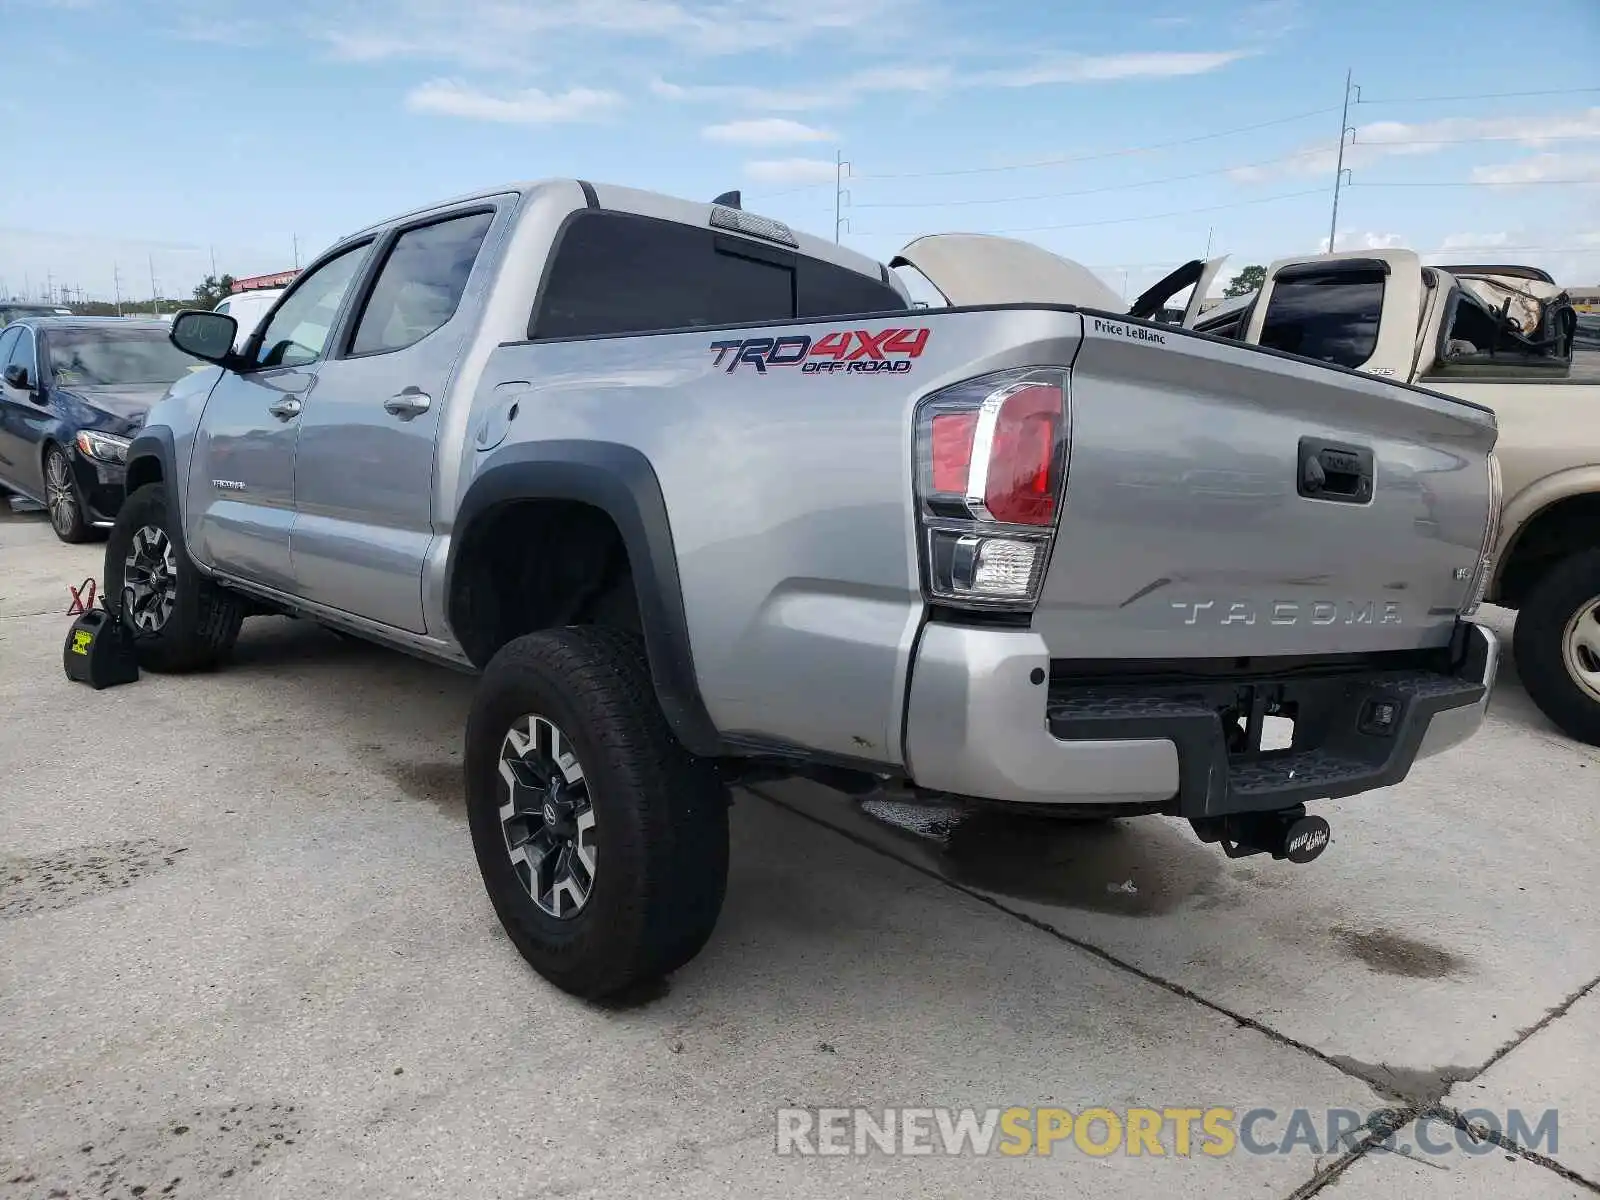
1200	273
1358	309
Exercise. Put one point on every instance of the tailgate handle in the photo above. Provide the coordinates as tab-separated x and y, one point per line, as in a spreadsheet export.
1335	471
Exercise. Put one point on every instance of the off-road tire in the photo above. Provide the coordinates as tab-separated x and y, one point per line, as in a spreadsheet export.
205	620
1537	641
661	815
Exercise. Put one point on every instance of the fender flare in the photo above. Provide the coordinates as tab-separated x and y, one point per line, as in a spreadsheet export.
155	442
620	482
1521	510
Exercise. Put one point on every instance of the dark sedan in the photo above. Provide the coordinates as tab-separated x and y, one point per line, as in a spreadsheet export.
73	391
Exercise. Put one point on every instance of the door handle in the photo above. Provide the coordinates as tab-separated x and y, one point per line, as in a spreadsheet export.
1332	471
289	406
410	402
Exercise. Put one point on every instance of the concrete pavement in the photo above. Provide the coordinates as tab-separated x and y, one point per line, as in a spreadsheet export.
244	952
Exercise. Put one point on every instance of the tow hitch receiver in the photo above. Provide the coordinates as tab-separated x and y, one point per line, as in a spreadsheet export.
1286	833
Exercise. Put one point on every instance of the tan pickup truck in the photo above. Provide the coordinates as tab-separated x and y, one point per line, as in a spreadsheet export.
1502	335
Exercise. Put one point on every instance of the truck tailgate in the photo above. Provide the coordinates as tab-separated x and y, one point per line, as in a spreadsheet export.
1224	502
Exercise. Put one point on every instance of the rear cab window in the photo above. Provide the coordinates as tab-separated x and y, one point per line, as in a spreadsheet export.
619	273
1327	312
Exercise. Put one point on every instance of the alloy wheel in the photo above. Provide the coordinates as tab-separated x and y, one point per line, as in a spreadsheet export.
546	816
150	579
61	498
1580	647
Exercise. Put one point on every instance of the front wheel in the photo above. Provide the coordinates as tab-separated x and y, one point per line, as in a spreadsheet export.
181	621
603	844
62	499
1557	645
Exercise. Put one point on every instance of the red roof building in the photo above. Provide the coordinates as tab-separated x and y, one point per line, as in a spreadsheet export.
255	283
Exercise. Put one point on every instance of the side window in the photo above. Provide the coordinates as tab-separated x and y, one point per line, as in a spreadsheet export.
826	290
223	307
299	330
8	342
421	283
22	355
617	273
1331	316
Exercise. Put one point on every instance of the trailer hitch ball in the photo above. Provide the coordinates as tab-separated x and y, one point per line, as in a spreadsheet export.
1289	833
1305	839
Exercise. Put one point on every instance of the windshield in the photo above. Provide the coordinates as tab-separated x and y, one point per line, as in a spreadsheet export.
116	357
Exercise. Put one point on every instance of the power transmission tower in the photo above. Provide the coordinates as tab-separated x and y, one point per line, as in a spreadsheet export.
155	292
116	286
1339	170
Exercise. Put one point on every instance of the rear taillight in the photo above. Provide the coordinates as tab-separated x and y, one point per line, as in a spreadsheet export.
991	469
1491	535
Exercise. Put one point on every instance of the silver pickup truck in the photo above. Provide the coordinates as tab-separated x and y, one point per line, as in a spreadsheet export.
707	501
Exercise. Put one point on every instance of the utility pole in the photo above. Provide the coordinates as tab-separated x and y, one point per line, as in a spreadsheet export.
49	288
296	237
213	262
116	286
155	292
1339	171
1209	232
841	172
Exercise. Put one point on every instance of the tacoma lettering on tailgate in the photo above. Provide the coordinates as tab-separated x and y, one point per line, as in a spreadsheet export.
1291	612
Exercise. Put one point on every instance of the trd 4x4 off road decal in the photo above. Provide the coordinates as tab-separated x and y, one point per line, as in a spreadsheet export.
838	352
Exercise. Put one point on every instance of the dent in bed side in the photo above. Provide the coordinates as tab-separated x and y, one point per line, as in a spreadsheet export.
618	481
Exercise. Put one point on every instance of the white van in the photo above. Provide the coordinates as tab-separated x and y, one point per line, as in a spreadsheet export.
248	308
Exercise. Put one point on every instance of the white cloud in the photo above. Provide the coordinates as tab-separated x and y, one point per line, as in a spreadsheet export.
935	77
1105	68
1351	240
496	34
766	131
835	94
1269	20
1384	139
1541	168
792	170
527	106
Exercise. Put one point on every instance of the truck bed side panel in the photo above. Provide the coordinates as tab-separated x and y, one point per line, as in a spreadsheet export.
789	495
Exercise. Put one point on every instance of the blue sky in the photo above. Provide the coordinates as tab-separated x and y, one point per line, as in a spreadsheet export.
1117	134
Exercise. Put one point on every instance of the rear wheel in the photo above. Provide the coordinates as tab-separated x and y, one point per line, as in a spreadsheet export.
603	844
1557	644
180	619
62	500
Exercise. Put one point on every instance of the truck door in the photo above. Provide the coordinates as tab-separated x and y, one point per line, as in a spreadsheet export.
363	483
241	479
1198	275
1358	309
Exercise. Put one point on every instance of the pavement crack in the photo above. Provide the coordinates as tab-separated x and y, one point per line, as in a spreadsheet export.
1105	956
1382	1079
1550	1017
1454	1117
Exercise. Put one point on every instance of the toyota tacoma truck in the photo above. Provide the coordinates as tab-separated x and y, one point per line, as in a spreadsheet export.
1501	335
707	501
